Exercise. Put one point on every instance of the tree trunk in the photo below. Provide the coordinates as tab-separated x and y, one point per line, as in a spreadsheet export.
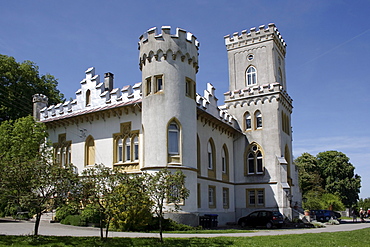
37	223
107	228
101	226
160	225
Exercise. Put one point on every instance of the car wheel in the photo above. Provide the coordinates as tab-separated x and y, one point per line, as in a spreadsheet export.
327	218
321	219
268	225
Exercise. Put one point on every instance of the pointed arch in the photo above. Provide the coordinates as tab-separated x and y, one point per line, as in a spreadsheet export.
258	119
253	160
211	158
174	141
247	121
88	97
89	151
225	167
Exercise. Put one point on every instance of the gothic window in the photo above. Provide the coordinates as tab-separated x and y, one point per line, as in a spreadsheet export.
119	150
258	117
254	160
210	153
128	149
251	76
225	163
198	156
89	151
136	147
248	121
190	88
173	138
62	150
88	98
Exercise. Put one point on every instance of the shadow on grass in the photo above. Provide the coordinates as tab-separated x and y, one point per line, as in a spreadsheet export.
95	241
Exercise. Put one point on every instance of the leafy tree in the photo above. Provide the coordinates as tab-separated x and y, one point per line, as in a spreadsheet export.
329	172
132	204
338	176
364	203
99	184
309	174
165	186
28	179
18	83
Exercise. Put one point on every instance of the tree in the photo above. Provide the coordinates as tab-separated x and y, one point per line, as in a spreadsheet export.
165	186
18	83
309	174
99	184
338	176
29	179
329	172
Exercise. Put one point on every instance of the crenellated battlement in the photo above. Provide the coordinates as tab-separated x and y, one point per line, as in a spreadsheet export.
257	93
254	36
160	45
208	103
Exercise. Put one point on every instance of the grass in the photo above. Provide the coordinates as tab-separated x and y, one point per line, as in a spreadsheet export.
208	231
351	238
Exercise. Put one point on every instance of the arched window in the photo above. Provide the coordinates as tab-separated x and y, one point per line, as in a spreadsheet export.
248	121
254	160
88	97
251	76
90	151
225	163
128	149
198	156
258	117
136	148
173	138
119	150
210	155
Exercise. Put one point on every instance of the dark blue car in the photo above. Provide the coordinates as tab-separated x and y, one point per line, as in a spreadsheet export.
323	215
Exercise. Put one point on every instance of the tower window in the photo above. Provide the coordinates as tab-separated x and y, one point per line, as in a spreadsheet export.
254	160
248	121
159	83
148	87
280	76
250	57
173	138
190	88
251	76
258	119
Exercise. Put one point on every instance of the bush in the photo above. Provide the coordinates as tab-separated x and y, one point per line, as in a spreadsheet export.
91	214
64	211
168	225
74	220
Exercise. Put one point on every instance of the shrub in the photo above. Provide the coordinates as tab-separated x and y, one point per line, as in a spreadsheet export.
64	211
318	224
91	214
74	220
168	225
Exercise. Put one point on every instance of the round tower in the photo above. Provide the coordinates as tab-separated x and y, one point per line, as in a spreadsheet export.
169	63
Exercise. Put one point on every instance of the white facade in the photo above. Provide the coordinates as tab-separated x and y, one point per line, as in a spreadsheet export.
237	157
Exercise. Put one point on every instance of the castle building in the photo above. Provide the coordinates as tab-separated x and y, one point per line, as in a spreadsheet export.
237	157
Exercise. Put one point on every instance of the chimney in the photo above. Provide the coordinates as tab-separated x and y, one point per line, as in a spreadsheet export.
39	101
108	81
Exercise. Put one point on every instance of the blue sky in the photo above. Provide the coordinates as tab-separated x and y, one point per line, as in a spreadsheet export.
327	54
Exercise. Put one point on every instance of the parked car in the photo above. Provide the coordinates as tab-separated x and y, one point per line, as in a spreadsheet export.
264	218
325	215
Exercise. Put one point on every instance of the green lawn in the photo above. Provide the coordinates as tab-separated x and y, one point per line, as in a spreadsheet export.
352	238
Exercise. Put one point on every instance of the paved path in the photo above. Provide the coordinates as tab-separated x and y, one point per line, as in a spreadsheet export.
56	229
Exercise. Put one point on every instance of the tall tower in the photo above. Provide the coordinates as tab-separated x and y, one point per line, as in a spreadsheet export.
169	63
262	106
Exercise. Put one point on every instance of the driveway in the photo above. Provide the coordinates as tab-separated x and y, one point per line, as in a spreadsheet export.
10	227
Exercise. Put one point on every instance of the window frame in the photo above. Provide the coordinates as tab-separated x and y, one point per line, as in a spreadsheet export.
212	196
259	196
251	76
225	197
254	161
